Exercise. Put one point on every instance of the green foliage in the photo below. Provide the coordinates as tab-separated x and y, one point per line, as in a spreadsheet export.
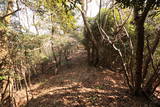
59	12
2	78
151	28
111	21
2	26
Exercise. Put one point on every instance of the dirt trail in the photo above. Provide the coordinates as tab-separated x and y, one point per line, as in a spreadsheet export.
78	85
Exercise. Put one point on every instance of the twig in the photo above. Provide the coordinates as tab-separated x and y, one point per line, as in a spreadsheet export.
154	77
151	56
2	17
120	53
152	51
130	43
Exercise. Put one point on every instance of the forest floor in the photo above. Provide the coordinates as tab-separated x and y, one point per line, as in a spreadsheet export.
79	85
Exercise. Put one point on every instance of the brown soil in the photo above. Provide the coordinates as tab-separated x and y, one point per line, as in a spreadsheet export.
78	85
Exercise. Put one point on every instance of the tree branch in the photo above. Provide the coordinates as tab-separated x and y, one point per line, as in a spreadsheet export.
2	17
152	51
120	53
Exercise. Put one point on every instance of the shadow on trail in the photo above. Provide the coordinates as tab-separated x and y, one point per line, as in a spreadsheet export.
81	86
84	87
78	99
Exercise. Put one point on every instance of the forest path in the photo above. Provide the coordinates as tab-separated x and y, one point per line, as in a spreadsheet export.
77	85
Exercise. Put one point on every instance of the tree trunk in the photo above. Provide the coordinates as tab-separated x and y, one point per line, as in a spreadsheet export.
139	54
